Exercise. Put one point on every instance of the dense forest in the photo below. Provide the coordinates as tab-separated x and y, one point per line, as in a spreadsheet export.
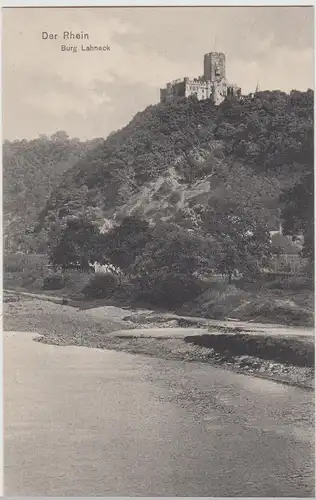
31	171
159	164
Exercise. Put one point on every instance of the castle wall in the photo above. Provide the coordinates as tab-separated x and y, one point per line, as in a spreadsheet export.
198	87
173	90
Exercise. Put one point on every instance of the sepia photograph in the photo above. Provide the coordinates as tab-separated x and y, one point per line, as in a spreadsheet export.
158	251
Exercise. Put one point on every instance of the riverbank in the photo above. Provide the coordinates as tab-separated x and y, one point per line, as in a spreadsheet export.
286	300
104	328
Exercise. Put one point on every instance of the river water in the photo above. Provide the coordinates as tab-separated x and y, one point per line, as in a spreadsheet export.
88	422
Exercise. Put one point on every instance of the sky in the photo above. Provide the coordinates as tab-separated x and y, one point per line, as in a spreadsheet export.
90	94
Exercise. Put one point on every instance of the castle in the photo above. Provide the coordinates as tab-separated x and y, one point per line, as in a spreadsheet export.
211	85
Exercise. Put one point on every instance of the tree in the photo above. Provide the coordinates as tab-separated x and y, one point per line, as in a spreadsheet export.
60	136
123	243
79	244
31	171
237	220
298	212
168	269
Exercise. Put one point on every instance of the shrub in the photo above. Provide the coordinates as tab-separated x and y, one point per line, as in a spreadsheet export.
13	263
101	286
170	290
28	280
174	197
294	283
217	301
53	281
13	268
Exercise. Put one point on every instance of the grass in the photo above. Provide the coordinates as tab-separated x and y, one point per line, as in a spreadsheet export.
24	272
288	302
256	302
28	272
20	263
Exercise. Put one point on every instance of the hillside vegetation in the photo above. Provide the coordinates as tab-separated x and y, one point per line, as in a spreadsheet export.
185	192
170	157
31	171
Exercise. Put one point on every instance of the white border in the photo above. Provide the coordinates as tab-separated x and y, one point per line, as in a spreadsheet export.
120	3
155	3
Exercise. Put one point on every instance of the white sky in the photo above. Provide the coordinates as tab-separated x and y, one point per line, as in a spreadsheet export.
91	94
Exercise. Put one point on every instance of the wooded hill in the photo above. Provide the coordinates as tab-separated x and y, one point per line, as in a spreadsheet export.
166	164
31	172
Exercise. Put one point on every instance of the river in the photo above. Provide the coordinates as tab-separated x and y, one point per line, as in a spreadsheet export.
88	422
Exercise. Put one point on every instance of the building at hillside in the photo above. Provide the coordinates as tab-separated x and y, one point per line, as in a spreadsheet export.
211	85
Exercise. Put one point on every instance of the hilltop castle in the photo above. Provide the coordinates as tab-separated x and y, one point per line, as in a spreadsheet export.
211	85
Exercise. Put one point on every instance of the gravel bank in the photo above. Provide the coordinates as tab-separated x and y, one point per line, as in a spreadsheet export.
64	325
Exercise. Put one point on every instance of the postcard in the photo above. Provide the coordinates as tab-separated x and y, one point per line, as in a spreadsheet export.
158	251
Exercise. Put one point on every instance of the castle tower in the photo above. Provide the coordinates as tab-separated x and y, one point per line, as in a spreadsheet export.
214	66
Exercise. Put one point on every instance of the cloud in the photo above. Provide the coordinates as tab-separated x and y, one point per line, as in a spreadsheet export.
91	93
284	69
